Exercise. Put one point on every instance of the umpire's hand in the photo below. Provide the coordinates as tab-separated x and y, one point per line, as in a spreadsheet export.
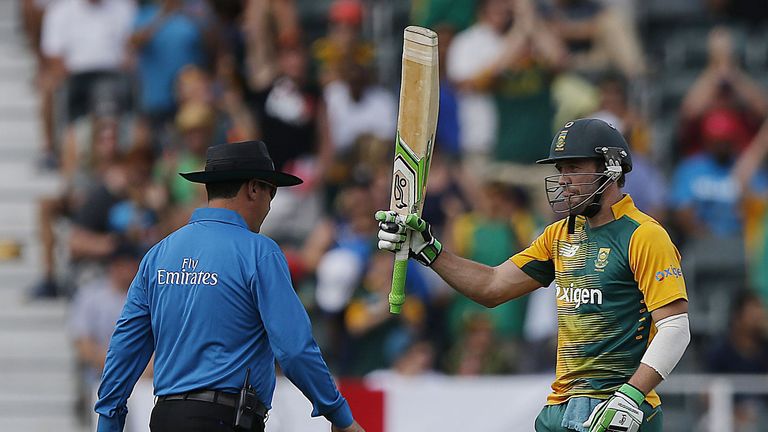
354	427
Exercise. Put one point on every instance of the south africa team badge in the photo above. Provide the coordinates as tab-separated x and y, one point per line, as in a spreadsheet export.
602	258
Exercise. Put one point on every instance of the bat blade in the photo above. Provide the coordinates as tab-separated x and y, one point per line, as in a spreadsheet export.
416	124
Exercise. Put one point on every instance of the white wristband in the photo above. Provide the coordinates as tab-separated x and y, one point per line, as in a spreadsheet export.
667	347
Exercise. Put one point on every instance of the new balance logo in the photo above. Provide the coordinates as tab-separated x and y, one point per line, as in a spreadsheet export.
568	250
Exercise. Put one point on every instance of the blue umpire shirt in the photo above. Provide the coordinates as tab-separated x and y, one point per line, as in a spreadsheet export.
211	300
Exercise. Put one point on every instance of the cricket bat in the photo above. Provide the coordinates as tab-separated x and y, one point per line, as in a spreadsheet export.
416	123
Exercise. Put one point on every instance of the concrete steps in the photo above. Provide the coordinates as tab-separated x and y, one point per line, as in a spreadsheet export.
23	182
37	362
59	423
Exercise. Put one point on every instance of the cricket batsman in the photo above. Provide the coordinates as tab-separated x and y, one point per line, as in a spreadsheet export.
622	305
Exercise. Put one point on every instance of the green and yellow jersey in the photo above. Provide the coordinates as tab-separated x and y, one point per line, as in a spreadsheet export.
608	280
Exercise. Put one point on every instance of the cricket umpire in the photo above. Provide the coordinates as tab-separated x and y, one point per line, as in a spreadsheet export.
215	304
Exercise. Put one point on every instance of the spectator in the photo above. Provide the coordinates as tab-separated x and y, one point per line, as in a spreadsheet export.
83	169
531	57
90	143
448	133
85	46
723	85
708	189
476	351
448	192
166	39
598	37
502	225
410	357
95	310
290	109
458	14
195	89
349	228
745	347
371	326
32	12
134	217
357	107
471	57
344	44
503	70
195	123
92	240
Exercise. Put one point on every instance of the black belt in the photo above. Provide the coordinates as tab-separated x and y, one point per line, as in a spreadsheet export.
218	397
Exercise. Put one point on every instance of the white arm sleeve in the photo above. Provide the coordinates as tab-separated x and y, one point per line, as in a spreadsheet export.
668	346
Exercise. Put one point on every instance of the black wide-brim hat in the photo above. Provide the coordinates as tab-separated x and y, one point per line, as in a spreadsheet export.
241	161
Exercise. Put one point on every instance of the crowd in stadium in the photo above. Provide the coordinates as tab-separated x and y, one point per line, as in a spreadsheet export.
134	92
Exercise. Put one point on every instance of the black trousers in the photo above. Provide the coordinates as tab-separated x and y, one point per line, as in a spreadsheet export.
194	416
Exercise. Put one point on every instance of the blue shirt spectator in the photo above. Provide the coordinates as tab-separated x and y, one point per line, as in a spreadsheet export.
707	186
168	39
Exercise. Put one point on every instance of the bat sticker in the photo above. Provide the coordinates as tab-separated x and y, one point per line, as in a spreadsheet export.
400	184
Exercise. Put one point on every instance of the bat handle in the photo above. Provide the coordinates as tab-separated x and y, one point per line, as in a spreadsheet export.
397	294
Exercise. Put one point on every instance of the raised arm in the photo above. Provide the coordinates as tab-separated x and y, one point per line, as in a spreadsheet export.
488	286
751	159
260	52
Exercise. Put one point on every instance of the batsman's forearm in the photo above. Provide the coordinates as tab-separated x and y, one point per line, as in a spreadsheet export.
645	378
472	279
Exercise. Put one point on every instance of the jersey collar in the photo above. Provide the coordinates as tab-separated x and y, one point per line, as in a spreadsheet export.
218	215
624	206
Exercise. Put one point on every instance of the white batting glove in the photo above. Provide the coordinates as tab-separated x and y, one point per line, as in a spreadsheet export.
620	413
424	247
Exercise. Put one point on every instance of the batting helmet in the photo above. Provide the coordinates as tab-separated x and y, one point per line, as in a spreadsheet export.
586	139
589	138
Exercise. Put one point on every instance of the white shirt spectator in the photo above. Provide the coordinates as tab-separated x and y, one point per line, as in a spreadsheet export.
471	52
88	35
374	114
94	312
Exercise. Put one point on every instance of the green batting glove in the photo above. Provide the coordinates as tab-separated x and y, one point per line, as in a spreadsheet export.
424	247
620	413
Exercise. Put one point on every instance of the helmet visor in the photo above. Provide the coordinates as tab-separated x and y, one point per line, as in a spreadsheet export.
572	193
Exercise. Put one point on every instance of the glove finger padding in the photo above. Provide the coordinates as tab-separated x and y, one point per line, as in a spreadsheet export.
392	227
423	246
391	236
386	216
416	223
389	246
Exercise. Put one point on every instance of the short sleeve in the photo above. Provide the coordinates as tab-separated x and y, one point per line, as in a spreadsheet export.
655	262
536	261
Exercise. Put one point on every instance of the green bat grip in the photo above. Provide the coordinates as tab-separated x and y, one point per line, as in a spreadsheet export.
397	294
